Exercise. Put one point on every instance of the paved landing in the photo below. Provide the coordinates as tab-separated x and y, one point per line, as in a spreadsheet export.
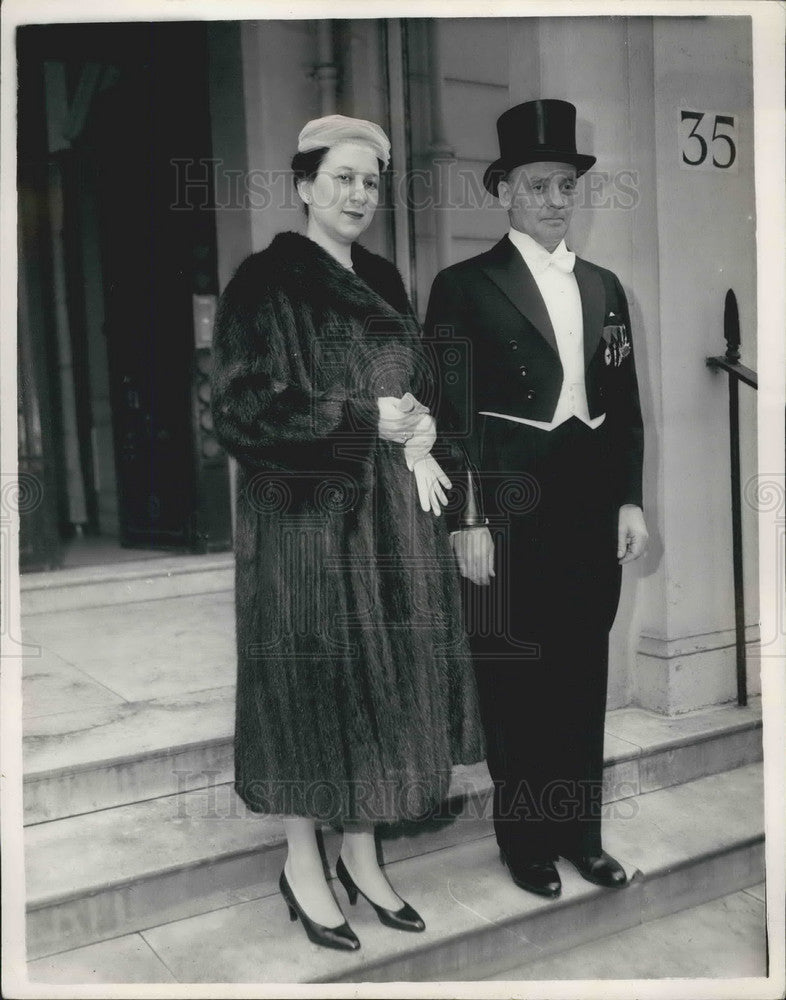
99	657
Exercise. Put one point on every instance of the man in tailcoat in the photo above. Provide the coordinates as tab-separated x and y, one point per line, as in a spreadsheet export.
539	386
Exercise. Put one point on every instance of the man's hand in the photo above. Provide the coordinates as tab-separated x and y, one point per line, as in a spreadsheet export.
474	551
632	534
399	418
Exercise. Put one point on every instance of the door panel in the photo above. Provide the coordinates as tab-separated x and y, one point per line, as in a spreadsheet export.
159	250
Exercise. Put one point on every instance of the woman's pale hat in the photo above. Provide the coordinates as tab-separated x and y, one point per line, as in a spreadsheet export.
326	132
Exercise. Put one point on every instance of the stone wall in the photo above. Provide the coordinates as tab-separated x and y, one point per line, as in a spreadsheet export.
677	238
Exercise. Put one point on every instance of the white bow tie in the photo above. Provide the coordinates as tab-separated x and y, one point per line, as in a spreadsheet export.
562	258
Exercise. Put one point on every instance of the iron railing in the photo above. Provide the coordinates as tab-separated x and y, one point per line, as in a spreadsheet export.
730	363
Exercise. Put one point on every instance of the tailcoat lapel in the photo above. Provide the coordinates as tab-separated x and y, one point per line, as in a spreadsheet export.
593	304
510	274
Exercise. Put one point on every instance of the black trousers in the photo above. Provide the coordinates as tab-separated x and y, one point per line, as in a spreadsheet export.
539	633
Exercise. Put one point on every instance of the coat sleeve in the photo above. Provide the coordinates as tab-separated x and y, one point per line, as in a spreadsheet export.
458	448
263	415
624	412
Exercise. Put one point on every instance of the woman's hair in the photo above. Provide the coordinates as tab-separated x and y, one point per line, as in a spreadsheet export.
305	166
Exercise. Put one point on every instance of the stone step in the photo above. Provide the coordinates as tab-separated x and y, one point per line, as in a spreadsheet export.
725	938
682	846
120	583
174	856
78	762
97	758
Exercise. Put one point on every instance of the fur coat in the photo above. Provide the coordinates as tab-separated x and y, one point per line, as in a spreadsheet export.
355	692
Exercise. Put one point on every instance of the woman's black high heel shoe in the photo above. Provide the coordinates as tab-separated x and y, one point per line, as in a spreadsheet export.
342	937
405	919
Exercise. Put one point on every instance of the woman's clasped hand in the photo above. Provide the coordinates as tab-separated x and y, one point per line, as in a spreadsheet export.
407	421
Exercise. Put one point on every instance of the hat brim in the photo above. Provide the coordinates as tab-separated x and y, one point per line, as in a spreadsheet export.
500	168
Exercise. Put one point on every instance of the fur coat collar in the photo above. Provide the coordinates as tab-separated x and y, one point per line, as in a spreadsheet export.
305	272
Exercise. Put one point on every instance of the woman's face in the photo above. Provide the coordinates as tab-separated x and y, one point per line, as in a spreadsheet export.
343	196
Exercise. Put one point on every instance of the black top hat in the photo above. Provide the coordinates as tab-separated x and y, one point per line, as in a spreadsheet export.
535	131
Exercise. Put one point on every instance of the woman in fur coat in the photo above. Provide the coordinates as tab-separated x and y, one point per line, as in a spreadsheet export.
355	693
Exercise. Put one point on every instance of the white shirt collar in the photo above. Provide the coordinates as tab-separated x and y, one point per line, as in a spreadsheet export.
536	257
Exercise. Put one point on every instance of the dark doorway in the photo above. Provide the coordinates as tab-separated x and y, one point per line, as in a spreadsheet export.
109	115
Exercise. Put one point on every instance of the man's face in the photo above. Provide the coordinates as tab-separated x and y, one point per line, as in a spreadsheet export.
539	198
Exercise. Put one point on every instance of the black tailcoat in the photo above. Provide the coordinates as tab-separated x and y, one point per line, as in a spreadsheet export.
540	632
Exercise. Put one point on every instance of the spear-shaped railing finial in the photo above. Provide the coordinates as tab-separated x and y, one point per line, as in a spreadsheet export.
731	327
730	361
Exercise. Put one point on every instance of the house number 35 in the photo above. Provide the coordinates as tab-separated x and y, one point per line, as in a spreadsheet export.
708	141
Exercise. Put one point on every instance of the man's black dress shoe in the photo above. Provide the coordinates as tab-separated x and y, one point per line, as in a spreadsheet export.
540	877
600	869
